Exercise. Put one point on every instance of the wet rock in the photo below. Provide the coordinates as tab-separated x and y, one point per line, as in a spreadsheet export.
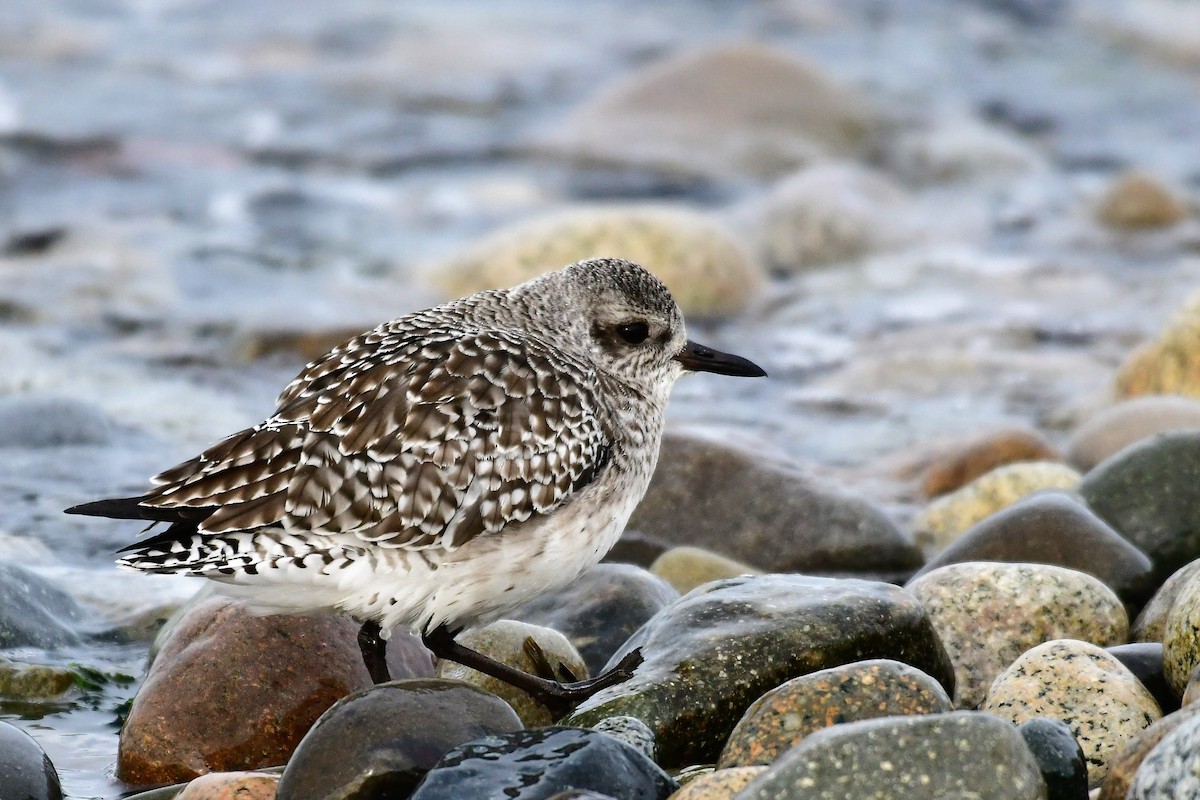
600	610
1137	200
945	519
720	647
988	613
734	502
1192	692
231	786
1170	364
1150	493
1059	757
685	567
380	742
272	675
1085	687
1119	426
25	769
708	272
1181	637
50	422
1145	661
33	681
1152	622
782	717
1054	528
537	764
1123	766
635	547
632	731
959	149
505	640
34	612
720	784
726	111
1169	770
961	754
980	455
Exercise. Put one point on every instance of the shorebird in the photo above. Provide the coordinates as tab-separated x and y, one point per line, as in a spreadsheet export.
441	469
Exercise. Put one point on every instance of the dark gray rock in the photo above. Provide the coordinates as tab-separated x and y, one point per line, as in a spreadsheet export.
50	422
1059	758
35	612
1145	661
713	652
1169	771
537	764
381	741
635	547
25	770
600	610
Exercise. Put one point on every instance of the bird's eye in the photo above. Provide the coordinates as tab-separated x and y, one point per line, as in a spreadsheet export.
633	332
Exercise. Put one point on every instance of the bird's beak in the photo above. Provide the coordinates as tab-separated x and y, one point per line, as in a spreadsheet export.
698	358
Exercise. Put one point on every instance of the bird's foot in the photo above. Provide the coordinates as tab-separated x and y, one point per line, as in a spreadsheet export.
561	697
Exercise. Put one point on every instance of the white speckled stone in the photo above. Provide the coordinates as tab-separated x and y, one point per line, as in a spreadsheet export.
1172	770
1085	687
1181	636
1152	622
989	613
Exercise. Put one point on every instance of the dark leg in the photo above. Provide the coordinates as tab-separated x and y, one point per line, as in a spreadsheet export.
556	696
374	652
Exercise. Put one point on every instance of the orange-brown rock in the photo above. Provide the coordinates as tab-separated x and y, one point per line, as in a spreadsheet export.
231	786
974	457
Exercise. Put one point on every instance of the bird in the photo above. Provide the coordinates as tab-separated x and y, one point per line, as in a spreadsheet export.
438	471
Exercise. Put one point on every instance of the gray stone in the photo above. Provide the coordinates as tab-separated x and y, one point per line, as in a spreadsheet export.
50	422
1171	769
1127	422
25	770
35	612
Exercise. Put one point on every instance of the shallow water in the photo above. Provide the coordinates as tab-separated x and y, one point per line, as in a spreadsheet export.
197	172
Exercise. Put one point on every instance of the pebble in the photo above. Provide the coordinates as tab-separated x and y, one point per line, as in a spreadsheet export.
1151	623
1145	661
1169	364
715	651
524	765
1059	757
25	770
782	717
1123	766
1181	637
1054	528
231	786
34	612
1127	422
945	519
33	681
708	271
979	455
732	501
1150	493
1085	687
632	731
600	609
1171	769
959	149
686	567
1137	200
960	754
506	641
987	614
382	740
47	421
720	784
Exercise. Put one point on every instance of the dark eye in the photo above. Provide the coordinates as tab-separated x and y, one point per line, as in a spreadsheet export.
633	332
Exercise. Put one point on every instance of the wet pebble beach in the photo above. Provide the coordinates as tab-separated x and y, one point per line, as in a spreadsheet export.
949	548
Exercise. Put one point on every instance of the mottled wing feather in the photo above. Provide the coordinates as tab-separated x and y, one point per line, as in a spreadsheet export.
406	441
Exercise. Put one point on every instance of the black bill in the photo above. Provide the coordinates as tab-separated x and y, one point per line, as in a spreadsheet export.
698	358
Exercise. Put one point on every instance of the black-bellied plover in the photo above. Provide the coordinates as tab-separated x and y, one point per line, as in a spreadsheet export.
438	471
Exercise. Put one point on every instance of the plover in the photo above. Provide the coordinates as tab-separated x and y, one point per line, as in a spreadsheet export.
438	471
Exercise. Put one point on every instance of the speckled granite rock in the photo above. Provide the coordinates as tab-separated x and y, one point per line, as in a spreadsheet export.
1170	364
527	765
1054	528
685	567
708	271
782	717
1181	637
25	770
1138	200
1059	758
946	518
600	609
632	731
1085	687
1150	492
965	461
1145	661
381	741
231	786
737	638
1171	770
961	754
987	614
1127	422
504	640
1124	765
1152	622
721	784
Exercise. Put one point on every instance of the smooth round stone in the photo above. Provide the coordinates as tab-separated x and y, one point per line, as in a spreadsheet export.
1152	622
505	640
637	548
685	567
381	741
1127	422
961	754
989	613
51	422
632	731
782	717
529	765
1054	528
980	455
1181	637
945	519
1145	661
1137	200
720	784
707	270
732	501
33	681
231	786
600	609
1085	687
25	770
34	612
1059	757
1123	766
959	149
722	646
1150	492
1171	770
1170	364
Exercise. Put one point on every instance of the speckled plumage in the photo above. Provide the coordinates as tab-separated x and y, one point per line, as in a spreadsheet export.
442	468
